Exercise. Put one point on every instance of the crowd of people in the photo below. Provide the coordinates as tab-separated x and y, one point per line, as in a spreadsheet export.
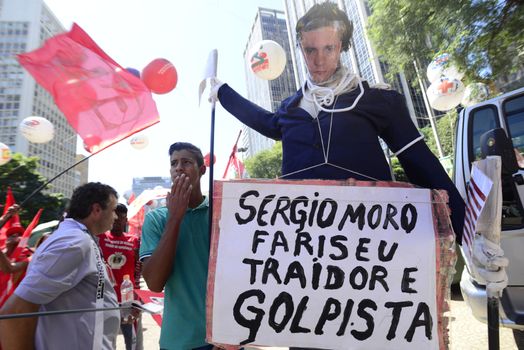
329	128
81	266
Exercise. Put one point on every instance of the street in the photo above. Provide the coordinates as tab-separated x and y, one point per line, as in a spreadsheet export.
466	333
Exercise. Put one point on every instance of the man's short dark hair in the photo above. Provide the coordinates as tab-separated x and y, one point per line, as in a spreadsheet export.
121	209
85	196
326	14
194	150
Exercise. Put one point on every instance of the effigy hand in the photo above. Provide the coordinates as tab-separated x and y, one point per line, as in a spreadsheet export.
215	85
491	264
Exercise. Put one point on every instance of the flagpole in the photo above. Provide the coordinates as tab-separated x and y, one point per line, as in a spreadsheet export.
489	226
61	312
210	72
41	187
211	167
232	155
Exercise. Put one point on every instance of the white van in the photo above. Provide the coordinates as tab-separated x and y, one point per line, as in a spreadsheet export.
496	127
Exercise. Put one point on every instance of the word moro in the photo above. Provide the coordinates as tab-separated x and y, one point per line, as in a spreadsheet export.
324	213
249	312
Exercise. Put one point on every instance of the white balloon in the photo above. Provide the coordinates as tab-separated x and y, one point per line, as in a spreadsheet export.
441	66
5	153
37	129
267	59
139	141
445	93
475	93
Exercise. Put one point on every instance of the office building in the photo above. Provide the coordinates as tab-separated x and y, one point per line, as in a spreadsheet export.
268	25
24	26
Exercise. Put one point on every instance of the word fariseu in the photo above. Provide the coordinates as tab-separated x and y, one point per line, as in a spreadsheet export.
304	211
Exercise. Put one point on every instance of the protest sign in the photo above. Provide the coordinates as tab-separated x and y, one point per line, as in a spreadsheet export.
320	264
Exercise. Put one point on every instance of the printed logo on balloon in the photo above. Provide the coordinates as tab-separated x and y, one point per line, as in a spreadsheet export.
446	89
139	142
37	129
267	60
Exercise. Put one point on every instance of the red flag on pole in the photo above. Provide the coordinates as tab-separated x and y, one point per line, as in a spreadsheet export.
240	170
102	101
25	237
12	283
13	224
134	223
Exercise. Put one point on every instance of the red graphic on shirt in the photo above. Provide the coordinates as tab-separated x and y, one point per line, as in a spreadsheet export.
120	254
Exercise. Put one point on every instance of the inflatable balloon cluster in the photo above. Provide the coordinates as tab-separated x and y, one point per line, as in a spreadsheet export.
160	76
446	89
267	59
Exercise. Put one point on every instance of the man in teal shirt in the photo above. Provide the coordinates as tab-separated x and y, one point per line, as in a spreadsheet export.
175	252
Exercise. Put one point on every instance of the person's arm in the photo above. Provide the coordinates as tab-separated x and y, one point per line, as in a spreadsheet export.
422	167
10	212
18	333
7	266
158	267
247	112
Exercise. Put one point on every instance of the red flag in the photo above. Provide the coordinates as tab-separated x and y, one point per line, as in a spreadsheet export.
22	244
25	237
13	224
102	101
240	170
131	198
135	223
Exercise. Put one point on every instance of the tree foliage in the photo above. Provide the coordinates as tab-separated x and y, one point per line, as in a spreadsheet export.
21	174
266	164
446	129
484	37
398	170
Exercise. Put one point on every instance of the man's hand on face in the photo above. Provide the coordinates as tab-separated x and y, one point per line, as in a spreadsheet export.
178	198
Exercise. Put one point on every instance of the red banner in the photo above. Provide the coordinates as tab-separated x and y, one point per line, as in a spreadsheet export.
102	101
146	296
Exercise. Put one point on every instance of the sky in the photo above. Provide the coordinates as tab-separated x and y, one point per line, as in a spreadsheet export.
133	33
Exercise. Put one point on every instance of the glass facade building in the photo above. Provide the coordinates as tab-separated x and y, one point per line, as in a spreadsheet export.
268	25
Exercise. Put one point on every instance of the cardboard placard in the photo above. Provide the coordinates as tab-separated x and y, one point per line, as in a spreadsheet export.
320	264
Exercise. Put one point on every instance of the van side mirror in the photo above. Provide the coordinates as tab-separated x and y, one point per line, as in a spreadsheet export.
495	142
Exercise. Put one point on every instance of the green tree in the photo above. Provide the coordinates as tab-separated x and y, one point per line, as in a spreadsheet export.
446	129
21	174
398	170
266	164
485	37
